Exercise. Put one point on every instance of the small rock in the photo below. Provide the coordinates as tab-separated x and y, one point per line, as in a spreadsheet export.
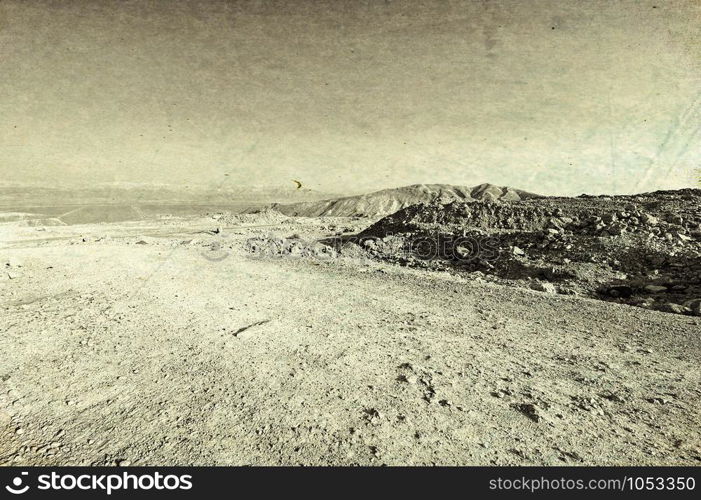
616	398
123	463
566	221
695	307
518	251
373	415
649	219
609	218
531	411
544	286
620	291
655	288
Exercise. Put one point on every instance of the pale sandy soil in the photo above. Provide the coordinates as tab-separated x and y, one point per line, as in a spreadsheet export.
117	352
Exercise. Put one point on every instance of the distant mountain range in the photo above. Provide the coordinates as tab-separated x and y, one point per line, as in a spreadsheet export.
289	201
17	195
389	201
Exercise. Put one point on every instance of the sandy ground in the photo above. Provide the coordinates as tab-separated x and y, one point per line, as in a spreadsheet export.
149	354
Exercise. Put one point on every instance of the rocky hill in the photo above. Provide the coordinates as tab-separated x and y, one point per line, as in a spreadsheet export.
642	250
388	201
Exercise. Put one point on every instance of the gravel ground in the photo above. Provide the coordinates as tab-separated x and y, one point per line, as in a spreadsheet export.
163	352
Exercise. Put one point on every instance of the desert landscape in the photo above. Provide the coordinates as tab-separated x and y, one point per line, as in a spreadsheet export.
354	233
429	324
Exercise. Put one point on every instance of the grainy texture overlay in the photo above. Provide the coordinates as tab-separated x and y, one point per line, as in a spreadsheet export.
350	232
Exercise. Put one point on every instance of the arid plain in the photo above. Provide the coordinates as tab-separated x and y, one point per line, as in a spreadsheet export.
175	340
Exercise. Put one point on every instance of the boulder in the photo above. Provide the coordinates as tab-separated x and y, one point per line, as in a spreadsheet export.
695	307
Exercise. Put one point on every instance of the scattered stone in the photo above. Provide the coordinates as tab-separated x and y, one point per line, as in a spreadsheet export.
588	404
576	245
13	262
675	308
657	400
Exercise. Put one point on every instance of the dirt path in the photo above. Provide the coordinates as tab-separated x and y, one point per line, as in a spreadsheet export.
153	355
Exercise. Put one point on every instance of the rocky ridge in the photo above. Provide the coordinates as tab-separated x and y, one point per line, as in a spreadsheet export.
642	250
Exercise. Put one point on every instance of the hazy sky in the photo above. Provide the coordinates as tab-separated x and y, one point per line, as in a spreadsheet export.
557	97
